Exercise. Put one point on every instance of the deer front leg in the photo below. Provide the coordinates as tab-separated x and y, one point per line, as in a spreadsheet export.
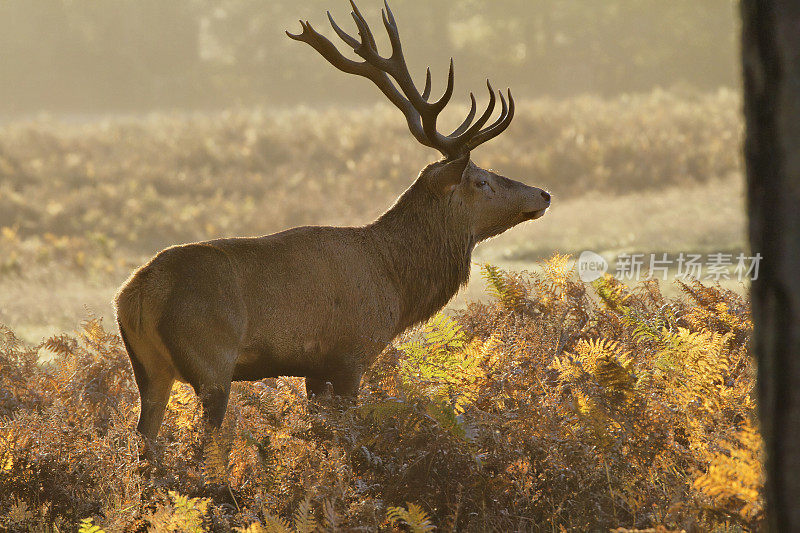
346	384
317	387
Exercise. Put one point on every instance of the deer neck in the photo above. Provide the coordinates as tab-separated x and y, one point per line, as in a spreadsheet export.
426	247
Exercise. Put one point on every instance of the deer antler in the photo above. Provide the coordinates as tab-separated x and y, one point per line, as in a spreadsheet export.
421	114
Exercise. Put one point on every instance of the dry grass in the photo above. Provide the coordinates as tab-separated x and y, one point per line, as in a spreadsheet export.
143	184
81	205
553	404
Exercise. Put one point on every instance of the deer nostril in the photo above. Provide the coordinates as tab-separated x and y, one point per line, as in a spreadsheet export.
546	196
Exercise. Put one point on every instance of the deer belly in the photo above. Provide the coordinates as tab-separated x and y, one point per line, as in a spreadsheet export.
307	357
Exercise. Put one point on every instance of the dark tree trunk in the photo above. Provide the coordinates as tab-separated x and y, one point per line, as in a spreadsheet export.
771	67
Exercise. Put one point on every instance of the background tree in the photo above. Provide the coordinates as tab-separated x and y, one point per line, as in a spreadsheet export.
771	58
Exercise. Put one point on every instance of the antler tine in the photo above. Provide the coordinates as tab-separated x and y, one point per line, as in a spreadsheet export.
440	104
329	51
464	125
363	28
343	35
487	113
391	29
389	13
396	64
427	92
503	112
498	127
296	36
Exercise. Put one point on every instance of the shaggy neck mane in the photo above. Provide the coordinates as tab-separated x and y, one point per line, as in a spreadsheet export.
426	247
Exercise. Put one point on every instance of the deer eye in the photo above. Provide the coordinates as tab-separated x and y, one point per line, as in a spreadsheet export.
483	184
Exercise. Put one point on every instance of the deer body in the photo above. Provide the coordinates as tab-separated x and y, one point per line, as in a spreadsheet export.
209	313
318	302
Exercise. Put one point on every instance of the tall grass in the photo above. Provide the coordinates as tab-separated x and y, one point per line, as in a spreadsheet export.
556	405
79	195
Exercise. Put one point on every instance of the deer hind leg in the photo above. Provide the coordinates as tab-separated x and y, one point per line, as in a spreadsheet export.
214	399
210	376
206	362
203	350
154	398
154	382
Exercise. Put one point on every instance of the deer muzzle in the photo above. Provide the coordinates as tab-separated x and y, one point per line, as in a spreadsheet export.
537	202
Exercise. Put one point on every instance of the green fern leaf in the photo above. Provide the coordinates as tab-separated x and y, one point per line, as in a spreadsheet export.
87	526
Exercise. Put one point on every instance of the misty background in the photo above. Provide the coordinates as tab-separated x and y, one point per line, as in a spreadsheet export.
130	125
68	56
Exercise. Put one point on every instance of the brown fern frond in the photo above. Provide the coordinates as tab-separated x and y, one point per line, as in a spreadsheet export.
417	520
303	518
331	518
215	461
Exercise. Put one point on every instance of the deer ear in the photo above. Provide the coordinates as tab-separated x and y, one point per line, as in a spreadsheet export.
450	173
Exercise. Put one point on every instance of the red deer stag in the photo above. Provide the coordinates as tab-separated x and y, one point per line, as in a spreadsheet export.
322	302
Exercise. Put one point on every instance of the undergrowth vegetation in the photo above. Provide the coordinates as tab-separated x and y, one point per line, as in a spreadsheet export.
96	197
556	405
